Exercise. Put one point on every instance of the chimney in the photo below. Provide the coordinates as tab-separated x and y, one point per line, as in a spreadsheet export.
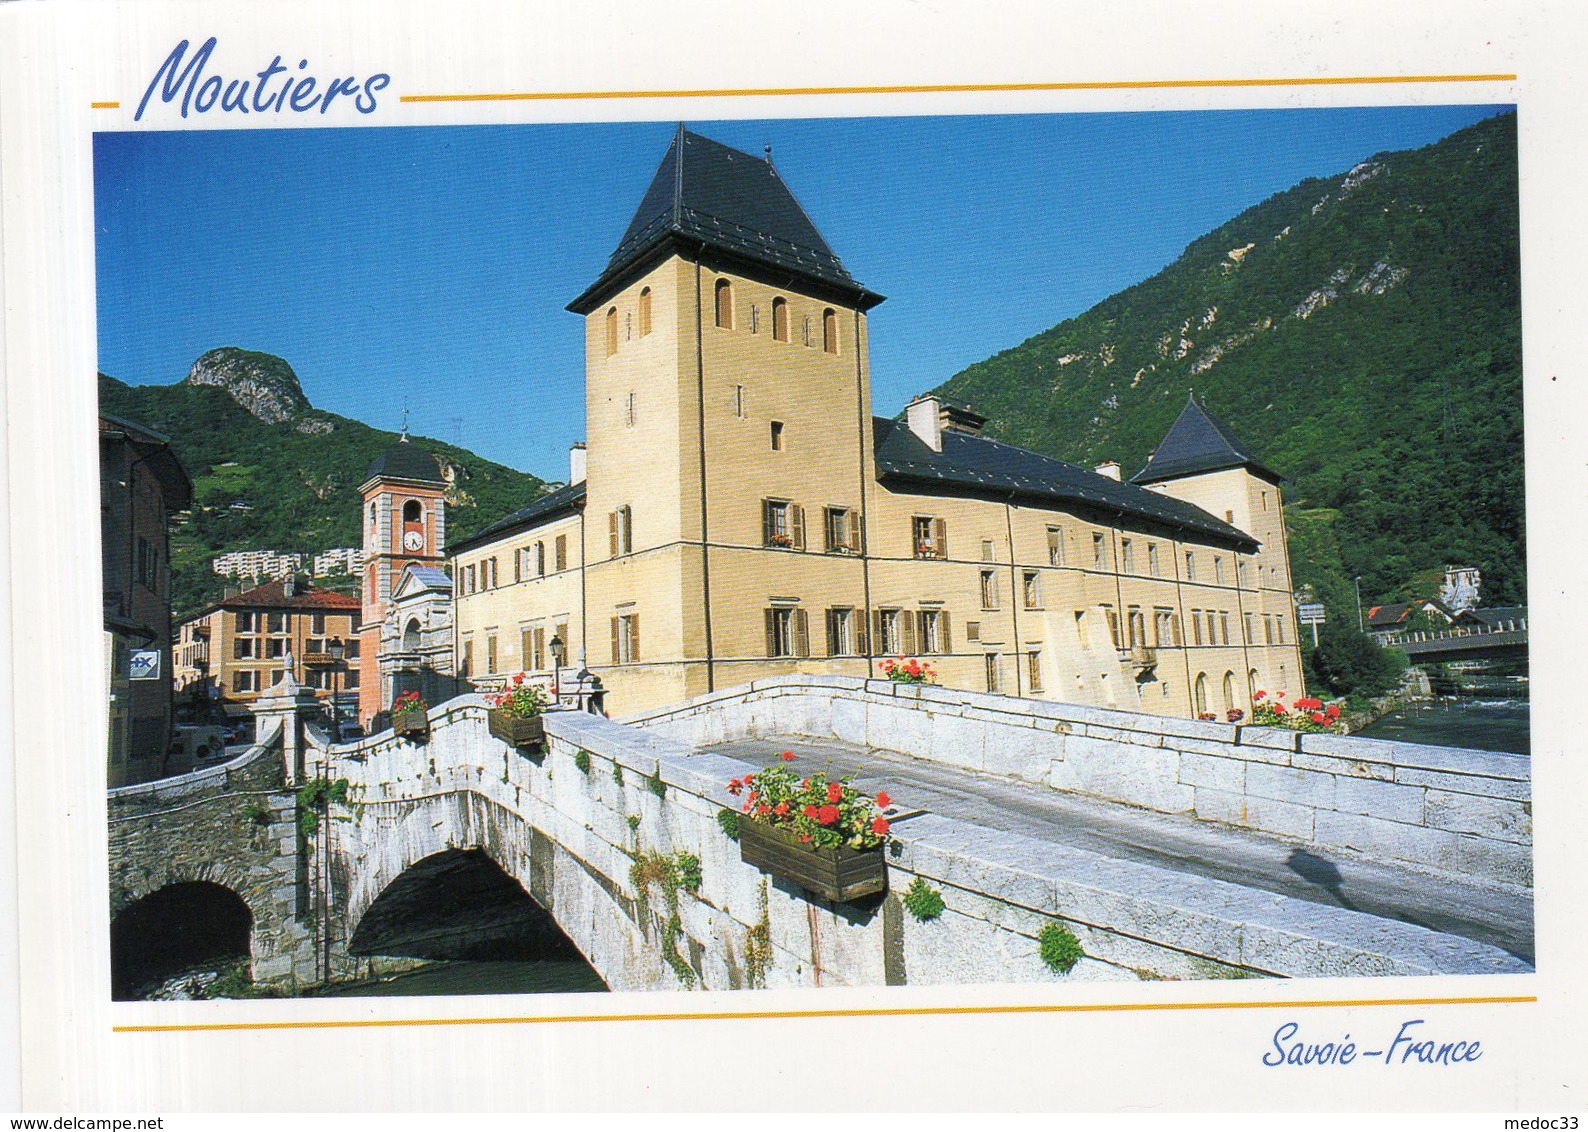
576	460
924	416
289	585
231	590
961	418
1109	468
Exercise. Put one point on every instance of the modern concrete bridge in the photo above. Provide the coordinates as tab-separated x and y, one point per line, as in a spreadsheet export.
1171	849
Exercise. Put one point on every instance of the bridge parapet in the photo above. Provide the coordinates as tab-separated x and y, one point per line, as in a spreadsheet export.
1463	812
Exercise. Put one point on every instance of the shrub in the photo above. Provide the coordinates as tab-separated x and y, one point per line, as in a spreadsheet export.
1059	948
923	901
729	821
1348	662
581	759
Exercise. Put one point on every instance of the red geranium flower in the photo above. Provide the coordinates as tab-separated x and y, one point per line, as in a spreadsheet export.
1319	717
1260	696
519	679
805	837
787	756
879	825
762	810
883	800
811	812
734	786
780	809
835	792
805	784
828	815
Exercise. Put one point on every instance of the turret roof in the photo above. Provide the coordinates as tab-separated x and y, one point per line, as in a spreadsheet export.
405	461
1199	442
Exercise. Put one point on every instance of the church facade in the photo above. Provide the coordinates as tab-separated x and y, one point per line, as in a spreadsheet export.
739	512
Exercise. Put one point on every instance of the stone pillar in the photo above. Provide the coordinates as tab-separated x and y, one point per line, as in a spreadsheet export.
285	706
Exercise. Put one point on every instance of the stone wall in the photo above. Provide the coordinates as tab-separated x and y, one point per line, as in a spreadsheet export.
1449	809
570	824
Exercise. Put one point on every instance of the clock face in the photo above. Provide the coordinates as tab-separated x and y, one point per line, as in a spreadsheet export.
413	540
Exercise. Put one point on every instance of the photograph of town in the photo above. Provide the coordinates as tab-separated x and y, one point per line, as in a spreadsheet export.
814	553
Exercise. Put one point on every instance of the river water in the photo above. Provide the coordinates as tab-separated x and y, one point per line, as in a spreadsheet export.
1484	707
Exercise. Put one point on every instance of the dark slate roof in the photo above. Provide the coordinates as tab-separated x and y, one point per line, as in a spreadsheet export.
707	192
1199	442
978	462
176	488
1495	614
548	506
406	461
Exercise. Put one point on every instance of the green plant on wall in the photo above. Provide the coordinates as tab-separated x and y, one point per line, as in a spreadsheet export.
923	901
758	945
581	759
314	799
258	813
673	875
633	820
657	786
617	774
1059	948
729	821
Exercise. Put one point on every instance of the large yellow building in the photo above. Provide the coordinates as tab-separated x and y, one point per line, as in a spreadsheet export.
740	513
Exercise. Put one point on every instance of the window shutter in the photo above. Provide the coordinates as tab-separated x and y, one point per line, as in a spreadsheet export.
797	519
907	619
802	633
857	530
859	621
944	643
612	534
766	522
877	632
616	657
832	632
940	537
771	631
634	637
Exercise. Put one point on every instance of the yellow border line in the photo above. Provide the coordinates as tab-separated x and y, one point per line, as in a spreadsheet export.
970	88
904	1012
105	105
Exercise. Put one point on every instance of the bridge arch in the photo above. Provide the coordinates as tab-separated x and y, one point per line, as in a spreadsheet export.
177	926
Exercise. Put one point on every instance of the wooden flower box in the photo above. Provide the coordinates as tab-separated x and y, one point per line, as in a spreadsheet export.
412	725
517	731
840	874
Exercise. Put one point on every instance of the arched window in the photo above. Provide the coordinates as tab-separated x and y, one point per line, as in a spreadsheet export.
372	514
1251	685
1202	693
612	331
645	312
805	330
411	637
412	512
780	319
1229	691
725	304
830	331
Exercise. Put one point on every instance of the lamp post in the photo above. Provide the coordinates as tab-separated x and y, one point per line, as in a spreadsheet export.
559	652
1359	603
337	649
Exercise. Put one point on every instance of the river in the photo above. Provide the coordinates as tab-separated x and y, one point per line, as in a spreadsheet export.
1480	706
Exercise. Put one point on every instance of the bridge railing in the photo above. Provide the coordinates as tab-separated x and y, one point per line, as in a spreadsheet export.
1518	625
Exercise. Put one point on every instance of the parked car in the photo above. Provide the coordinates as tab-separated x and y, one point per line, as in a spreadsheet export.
196	745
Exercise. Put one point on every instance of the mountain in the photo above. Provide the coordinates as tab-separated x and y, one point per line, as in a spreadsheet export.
272	472
1361	332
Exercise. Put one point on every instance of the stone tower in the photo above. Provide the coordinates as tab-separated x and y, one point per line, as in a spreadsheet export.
404	520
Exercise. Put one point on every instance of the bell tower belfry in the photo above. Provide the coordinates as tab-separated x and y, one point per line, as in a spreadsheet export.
404	523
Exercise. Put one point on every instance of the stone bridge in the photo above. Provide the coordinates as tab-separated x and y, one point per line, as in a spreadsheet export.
1170	849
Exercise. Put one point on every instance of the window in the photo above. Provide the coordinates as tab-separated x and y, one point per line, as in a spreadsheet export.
562	553
490	653
645	312
1152	559
244	648
245	682
934	631
777	436
1224	627
412	511
1127	556
317	624
839	530
1279	627
890	632
372	514
841	633
1268	629
628	411
532	647
1202	693
738	401
1251	638
246	623
612	331
1163	629
1190	566
620	531
1218	569
491	568
1113	624
276	648
989	589
1055	546
929	537
830	331
990	665
1031	589
987	553
787	633
351	645
411	637
780	319
782	524
1196	626
350	680
1265	501
625	638
540	560
805	330
1136	623
628	327
1212	637
276	622
973	630
1229	691
1099	561
1240	571
466	666
1034	670
724	304
1229	516
755	319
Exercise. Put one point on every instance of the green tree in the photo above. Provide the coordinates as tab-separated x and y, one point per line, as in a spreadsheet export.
1350	663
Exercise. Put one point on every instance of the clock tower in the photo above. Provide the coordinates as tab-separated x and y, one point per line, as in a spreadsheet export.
404	522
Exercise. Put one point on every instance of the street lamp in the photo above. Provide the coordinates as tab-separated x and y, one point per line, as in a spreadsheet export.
1359	603
337	650
559	652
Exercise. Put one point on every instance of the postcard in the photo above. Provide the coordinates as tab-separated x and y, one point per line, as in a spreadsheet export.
1002	548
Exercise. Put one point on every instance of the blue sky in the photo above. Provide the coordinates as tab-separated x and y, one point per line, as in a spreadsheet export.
430	266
